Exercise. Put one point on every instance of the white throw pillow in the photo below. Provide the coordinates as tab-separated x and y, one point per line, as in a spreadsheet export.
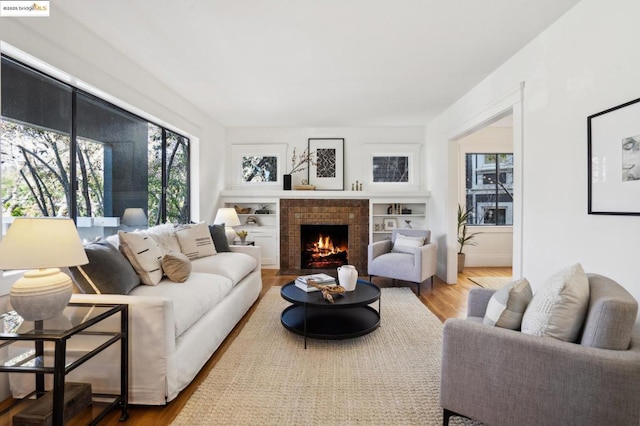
165	236
559	308
143	254
507	305
195	240
407	241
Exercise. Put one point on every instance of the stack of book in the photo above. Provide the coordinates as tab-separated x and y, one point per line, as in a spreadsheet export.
321	279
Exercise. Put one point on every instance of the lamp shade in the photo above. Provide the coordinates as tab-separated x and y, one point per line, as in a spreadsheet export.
36	243
134	216
228	216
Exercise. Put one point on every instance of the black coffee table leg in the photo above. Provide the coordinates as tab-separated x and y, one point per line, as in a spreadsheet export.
305	325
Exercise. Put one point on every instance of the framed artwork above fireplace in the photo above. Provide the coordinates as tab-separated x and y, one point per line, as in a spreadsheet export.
328	171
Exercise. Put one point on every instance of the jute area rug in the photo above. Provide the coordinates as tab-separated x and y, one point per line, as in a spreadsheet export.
266	377
495	283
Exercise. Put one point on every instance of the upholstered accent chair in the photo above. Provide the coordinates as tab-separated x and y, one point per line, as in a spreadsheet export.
408	256
499	376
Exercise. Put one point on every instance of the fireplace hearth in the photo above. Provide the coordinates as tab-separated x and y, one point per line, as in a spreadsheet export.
324	246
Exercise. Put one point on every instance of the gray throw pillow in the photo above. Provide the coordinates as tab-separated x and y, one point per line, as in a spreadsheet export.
507	305
219	236
108	271
559	308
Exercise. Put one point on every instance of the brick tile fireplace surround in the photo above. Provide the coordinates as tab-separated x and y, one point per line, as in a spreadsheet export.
296	212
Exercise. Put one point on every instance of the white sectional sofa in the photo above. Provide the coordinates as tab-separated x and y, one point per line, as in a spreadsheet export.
174	328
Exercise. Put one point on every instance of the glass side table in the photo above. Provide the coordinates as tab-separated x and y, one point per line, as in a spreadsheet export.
78	319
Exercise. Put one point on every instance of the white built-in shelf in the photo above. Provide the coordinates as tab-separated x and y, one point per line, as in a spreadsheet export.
267	233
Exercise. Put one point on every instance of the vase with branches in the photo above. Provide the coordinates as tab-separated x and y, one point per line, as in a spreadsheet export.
464	238
302	161
298	163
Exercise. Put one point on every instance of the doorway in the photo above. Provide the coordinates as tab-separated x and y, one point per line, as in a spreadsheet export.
510	104
486	192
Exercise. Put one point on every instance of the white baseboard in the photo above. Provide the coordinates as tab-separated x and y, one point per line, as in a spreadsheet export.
488	260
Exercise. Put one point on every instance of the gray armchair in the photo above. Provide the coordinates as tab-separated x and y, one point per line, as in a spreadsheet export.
403	263
504	377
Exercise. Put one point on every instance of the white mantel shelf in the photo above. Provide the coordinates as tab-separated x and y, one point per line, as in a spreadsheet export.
371	195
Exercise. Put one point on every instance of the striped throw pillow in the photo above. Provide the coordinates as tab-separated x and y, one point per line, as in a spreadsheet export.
144	255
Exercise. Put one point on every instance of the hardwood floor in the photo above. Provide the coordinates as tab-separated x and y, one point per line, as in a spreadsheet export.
444	300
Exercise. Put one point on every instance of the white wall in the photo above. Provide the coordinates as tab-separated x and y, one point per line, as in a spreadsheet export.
494	244
70	47
355	140
584	63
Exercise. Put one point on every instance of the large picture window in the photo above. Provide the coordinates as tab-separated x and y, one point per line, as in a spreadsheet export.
489	188
68	153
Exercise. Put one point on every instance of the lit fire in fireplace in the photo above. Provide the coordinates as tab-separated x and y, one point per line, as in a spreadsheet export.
323	252
324	246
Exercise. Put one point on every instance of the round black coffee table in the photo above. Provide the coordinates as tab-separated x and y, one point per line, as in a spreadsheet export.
349	316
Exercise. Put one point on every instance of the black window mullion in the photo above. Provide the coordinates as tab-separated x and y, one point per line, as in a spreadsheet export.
73	149
187	142
165	183
495	215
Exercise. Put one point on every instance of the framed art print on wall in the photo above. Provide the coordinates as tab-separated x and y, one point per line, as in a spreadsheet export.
392	165
614	160
258	164
390	168
327	170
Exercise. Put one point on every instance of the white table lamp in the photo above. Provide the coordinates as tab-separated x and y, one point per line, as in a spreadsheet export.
229	218
134	216
41	245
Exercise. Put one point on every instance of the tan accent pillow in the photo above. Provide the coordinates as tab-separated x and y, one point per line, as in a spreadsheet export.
195	240
143	254
176	266
507	305
559	308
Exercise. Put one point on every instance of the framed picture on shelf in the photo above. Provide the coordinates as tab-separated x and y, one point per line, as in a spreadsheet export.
390	223
614	160
327	171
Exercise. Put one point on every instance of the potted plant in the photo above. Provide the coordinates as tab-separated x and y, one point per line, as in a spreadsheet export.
243	235
463	237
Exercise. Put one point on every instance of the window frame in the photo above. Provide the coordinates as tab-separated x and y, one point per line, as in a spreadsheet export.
75	91
499	188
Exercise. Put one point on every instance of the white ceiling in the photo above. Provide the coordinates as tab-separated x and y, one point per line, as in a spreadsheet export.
318	62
